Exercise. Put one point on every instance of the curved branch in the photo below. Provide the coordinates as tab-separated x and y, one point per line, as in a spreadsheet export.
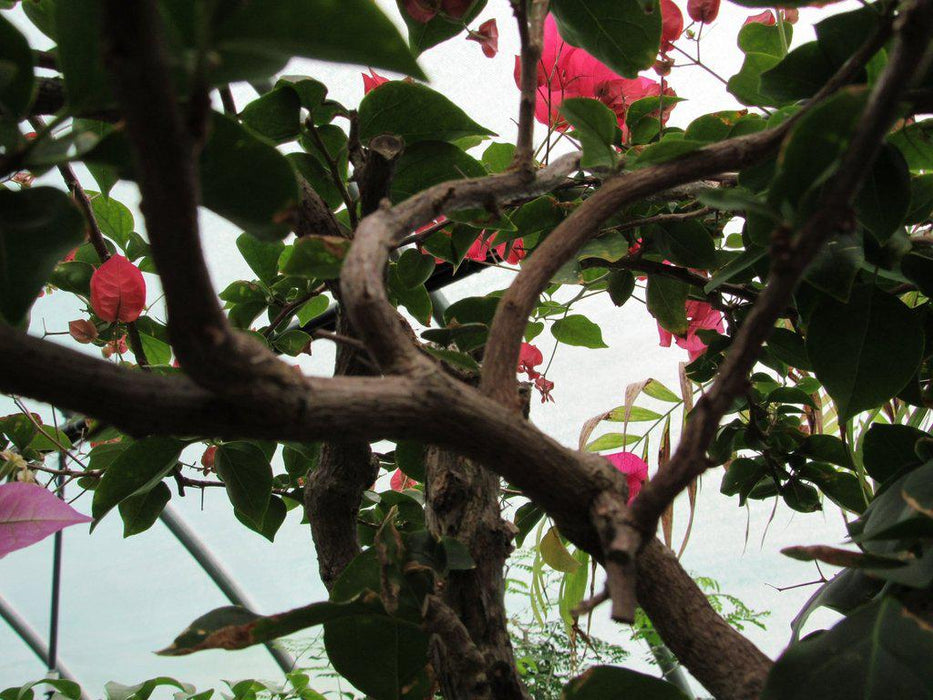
361	279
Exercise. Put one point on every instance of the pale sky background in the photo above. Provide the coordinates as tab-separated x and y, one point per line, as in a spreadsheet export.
122	599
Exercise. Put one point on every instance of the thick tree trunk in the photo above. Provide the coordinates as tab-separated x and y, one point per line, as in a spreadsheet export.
463	502
333	492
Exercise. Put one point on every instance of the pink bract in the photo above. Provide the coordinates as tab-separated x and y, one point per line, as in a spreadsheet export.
634	468
701	316
29	513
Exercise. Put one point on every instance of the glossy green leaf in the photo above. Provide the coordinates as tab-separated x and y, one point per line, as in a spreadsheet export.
261	256
246	180
595	125
621	285
667	302
247	475
880	651
884	200
137	469
889	449
915	142
271	521
140	512
578	330
379	655
865	351
78	31
38	227
114	219
414	112
620	33
430	163
275	115
316	257
351	31
686	243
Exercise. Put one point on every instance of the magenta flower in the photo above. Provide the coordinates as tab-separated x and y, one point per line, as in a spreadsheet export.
701	316
565	72
634	468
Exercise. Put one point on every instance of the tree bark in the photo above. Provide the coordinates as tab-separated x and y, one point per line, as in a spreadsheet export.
334	491
462	501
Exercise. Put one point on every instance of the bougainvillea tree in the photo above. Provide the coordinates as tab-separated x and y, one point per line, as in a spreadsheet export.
785	247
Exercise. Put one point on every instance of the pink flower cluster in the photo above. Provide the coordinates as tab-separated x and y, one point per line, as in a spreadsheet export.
565	72
530	357
701	316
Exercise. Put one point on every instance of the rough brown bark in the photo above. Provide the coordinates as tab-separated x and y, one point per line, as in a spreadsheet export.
333	492
462	501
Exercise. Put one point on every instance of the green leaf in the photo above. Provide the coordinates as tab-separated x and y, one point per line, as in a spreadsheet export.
890	449
272	519
611	441
314	308
621	286
414	112
114	218
883	202
292	342
409	457
137	469
379	655
301	457
414	268
235	627
158	352
38	227
578	330
78	31
246	180
864	351
835	267
789	348
595	125
351	31
686	243
261	256
140	512
602	682
880	651
424	35
555	554
16	78
247	475
498	157
813	147
714	127
667	149
799	76
915	142
620	33
430	163
667	302
318	176
741	477
316	257
275	115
